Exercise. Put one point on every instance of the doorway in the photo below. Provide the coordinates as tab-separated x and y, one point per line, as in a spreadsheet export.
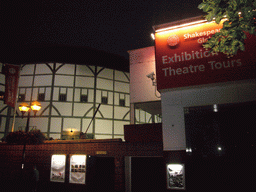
147	174
101	174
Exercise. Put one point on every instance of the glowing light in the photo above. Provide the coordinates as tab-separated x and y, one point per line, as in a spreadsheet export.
219	148
182	25
175	167
78	158
24	107
215	107
153	36
58	157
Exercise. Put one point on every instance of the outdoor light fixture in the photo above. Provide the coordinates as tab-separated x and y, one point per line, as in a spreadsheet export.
35	106
215	107
153	36
24	107
180	25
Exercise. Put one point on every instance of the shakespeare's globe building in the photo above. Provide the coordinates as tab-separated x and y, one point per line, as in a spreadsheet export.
70	95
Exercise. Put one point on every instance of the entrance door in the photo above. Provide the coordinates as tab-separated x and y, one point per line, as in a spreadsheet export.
222	145
101	174
147	174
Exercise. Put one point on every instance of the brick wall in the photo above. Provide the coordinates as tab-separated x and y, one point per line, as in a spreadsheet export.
11	155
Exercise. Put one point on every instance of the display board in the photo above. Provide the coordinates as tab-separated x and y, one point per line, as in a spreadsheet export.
58	164
175	176
77	169
182	61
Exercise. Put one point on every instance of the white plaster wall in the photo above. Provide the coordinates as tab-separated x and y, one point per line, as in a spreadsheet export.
122	87
56	125
61	80
42	69
81	108
85	82
104	84
121	76
84	70
142	63
106	73
68	69
174	101
27	70
103	126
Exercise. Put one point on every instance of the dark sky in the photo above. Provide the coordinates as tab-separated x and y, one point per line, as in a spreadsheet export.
114	26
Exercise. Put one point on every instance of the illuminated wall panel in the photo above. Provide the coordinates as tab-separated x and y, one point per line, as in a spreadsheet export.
104	126
56	124
67	69
43	80
85	70
65	109
27	70
106	73
25	80
122	87
43	69
64	80
84	82
105	84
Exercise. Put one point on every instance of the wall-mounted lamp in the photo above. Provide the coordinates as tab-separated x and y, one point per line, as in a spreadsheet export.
153	36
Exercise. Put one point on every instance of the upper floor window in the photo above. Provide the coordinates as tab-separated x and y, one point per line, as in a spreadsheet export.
21	97
104	100
63	94
41	97
104	97
122	102
1	95
84	98
63	97
84	95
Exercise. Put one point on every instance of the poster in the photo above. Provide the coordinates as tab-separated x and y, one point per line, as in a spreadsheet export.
175	176
77	169
58	165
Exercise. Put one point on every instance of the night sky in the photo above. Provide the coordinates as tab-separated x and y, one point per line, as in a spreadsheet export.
114	26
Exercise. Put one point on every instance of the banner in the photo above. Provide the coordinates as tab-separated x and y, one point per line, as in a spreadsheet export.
182	61
11	84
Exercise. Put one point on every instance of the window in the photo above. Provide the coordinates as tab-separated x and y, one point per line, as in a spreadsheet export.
122	102
84	98
104	100
1	95
41	97
63	97
21	97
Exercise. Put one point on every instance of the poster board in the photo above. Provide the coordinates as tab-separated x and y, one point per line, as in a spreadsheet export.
58	164
175	176
77	169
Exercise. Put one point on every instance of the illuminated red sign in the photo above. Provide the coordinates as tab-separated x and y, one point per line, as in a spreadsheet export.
182	61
